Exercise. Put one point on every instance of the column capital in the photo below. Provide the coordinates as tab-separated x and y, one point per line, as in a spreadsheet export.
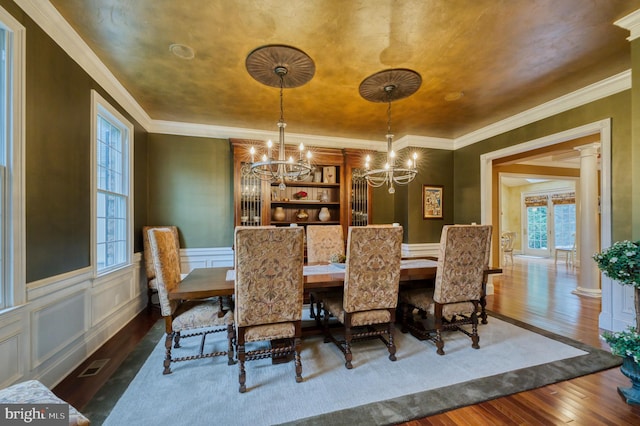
588	149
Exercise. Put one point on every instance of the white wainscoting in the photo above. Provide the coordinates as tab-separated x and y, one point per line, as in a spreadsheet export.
216	257
65	319
420	250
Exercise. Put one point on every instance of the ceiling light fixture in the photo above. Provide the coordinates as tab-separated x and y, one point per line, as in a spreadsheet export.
453	96
388	86
182	51
284	67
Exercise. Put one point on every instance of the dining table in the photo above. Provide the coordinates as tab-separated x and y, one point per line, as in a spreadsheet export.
203	283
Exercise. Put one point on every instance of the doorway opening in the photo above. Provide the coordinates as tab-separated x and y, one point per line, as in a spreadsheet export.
492	162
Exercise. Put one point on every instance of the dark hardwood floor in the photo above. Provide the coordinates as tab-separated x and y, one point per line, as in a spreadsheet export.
534	291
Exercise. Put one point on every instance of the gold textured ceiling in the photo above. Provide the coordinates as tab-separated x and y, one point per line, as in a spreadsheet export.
505	56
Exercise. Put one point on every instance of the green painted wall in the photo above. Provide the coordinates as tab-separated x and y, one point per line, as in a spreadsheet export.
57	157
191	186
435	167
617	107
635	133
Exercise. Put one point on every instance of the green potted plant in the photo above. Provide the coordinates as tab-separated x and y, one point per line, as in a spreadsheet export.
621	262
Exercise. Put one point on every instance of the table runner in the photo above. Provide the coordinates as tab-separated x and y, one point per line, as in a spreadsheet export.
332	269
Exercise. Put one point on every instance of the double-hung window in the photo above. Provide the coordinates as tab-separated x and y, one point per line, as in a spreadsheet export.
12	48
112	143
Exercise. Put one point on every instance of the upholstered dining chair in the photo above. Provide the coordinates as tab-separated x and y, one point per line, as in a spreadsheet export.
150	269
186	316
269	283
323	241
372	276
455	299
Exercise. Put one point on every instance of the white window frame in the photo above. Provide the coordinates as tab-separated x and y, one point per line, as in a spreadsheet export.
12	284
100	106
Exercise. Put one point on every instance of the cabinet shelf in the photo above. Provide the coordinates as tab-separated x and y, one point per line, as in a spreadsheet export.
306	203
307	222
309	184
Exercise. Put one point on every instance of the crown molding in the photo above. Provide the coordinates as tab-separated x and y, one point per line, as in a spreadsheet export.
593	92
51	21
422	142
630	22
223	132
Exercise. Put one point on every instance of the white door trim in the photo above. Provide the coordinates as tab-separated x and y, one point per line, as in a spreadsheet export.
603	127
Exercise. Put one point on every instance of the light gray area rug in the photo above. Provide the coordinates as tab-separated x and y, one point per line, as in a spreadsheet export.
376	391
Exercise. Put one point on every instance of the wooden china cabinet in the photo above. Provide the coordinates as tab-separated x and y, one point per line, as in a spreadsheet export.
332	187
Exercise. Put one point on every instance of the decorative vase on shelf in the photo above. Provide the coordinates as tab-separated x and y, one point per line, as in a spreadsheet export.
278	214
324	197
302	215
324	214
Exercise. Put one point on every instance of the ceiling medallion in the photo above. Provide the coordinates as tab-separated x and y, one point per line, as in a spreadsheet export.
267	63
388	86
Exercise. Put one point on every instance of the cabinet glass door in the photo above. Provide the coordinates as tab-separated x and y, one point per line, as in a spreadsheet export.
359	200
250	200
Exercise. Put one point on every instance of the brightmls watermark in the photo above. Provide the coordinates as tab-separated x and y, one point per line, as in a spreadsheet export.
34	414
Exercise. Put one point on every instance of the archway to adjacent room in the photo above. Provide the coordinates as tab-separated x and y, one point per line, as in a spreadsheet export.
490	164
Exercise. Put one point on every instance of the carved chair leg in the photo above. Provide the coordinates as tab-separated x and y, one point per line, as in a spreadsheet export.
406	309
312	300
167	358
475	338
483	309
439	343
348	356
325	327
242	378
391	345
438	319
176	340
231	339
298	362
319	310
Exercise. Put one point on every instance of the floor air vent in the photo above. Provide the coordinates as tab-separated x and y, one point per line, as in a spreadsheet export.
94	368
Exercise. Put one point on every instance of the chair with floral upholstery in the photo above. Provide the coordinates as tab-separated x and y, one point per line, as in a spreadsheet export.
34	392
150	269
323	242
372	276
269	283
455	300
179	317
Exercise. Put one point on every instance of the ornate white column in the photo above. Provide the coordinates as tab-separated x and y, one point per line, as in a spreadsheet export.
589	281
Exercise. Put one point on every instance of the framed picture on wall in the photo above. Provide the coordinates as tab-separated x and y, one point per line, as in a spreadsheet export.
432	201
